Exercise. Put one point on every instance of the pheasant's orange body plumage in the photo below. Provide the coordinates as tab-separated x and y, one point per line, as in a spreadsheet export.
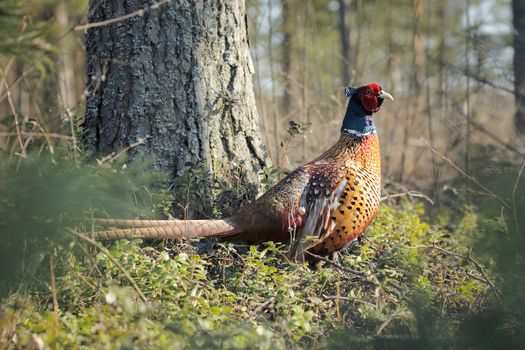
318	208
354	201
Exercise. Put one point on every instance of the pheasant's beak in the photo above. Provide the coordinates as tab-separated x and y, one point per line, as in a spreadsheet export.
385	94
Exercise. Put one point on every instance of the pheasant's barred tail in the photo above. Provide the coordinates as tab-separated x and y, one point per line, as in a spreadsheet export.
175	230
136	223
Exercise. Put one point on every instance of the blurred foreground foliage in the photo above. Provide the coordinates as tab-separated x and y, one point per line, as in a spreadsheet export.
409	284
23	37
41	196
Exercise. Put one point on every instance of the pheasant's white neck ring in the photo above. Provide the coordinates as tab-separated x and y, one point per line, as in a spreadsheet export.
363	132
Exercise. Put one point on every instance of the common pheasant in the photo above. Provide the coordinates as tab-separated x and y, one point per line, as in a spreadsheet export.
319	208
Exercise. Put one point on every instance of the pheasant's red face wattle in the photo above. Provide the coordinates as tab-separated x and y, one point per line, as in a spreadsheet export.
369	97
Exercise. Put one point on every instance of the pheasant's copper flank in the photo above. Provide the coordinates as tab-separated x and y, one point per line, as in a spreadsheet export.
360	197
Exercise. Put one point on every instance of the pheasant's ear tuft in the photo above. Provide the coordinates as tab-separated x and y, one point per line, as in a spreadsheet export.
349	91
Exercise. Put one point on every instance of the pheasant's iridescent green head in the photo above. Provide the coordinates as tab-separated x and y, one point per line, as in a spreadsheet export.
364	101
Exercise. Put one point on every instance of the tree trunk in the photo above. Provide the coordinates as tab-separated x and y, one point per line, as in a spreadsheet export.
180	73
518	12
67	98
344	32
287	48
418	60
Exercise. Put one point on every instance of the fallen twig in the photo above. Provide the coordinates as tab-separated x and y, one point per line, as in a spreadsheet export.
334	264
388	320
263	305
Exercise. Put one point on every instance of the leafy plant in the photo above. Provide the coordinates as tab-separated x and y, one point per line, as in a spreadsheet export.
404	280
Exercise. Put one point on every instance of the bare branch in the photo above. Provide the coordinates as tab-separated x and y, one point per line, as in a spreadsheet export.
114	155
486	132
477	78
140	12
409	194
468	257
501	200
15	116
36	134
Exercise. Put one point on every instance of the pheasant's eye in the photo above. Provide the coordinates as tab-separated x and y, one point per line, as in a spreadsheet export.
368	91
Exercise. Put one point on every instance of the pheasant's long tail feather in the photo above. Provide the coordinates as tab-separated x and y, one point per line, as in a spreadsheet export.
136	223
176	230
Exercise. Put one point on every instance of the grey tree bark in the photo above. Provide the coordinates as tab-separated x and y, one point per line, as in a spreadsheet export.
344	32
182	74
287	53
518	12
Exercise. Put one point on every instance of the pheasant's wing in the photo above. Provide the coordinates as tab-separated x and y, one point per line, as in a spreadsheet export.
357	205
333	199
320	199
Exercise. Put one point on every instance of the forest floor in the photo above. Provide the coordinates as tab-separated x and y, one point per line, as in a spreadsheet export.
411	282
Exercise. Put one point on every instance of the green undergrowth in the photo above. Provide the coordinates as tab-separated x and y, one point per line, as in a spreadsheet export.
408	283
